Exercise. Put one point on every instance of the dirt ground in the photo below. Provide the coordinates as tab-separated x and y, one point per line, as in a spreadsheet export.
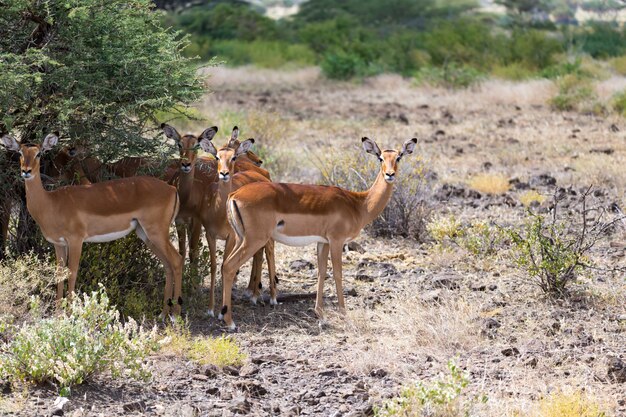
411	306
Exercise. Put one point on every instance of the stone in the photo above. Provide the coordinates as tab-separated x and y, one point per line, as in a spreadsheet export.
300	265
135	406
616	370
355	247
510	351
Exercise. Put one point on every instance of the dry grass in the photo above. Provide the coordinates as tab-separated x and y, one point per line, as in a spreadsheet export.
413	328
219	351
531	196
575	404
252	77
489	183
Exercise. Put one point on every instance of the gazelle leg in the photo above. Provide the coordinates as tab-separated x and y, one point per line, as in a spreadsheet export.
336	252
74	250
271	269
5	217
181	232
213	254
322	266
256	272
244	249
194	243
61	254
160	244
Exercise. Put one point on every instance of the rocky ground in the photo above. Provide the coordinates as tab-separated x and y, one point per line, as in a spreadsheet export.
412	306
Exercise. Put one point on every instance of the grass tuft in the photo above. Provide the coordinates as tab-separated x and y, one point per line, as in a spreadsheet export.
494	184
530	196
569	405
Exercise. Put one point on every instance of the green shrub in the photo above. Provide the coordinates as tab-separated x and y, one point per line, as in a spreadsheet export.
342	65
450	76
477	238
68	349
576	93
132	275
619	65
554	249
619	103
601	40
534	48
515	71
443	398
21	281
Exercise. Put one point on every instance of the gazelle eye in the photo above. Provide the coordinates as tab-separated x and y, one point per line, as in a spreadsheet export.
398	158
38	155
233	159
380	158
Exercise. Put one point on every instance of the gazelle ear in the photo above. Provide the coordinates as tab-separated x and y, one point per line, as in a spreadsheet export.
170	132
207	146
370	146
50	141
234	138
209	133
245	146
10	143
408	147
205	140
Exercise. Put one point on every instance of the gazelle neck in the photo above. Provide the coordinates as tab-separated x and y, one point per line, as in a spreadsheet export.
185	184
377	198
37	198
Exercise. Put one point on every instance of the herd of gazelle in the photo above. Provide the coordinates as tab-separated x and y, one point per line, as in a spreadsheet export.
233	199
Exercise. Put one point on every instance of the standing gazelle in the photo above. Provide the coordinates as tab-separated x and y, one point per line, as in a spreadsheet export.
299	215
102	212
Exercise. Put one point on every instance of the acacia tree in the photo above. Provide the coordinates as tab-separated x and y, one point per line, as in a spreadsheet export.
97	71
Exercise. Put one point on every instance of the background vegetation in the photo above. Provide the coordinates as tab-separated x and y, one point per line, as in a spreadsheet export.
442	40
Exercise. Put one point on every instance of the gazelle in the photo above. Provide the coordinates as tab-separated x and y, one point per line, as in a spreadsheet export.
200	192
102	212
299	215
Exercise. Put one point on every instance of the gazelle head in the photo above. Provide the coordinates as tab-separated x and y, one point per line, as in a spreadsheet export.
30	154
227	155
389	158
188	145
234	143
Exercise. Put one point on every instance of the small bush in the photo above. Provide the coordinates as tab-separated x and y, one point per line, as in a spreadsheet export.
531	196
515	71
479	239
451	76
569	405
443	398
490	183
22	279
576	93
342	65
68	349
221	351
554	250
619	65
408	211
619	103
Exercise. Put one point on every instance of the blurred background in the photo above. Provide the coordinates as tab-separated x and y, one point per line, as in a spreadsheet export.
454	42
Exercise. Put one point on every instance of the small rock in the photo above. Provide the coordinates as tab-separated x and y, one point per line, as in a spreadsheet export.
363	276
213	391
135	406
231	370
258	360
475	286
510	351
532	362
448	281
253	388
617	370
355	247
491	323
542	180
210	371
248	369
430	296
378	373
301	264
200	377
240	405
607	151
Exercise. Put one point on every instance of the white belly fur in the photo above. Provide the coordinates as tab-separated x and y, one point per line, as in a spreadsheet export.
108	237
297	240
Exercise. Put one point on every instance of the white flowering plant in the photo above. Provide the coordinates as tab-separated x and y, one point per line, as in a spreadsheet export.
86	339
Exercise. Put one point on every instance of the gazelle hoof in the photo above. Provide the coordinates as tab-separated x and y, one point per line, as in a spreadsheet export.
253	299
210	313
273	302
248	293
220	316
232	327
